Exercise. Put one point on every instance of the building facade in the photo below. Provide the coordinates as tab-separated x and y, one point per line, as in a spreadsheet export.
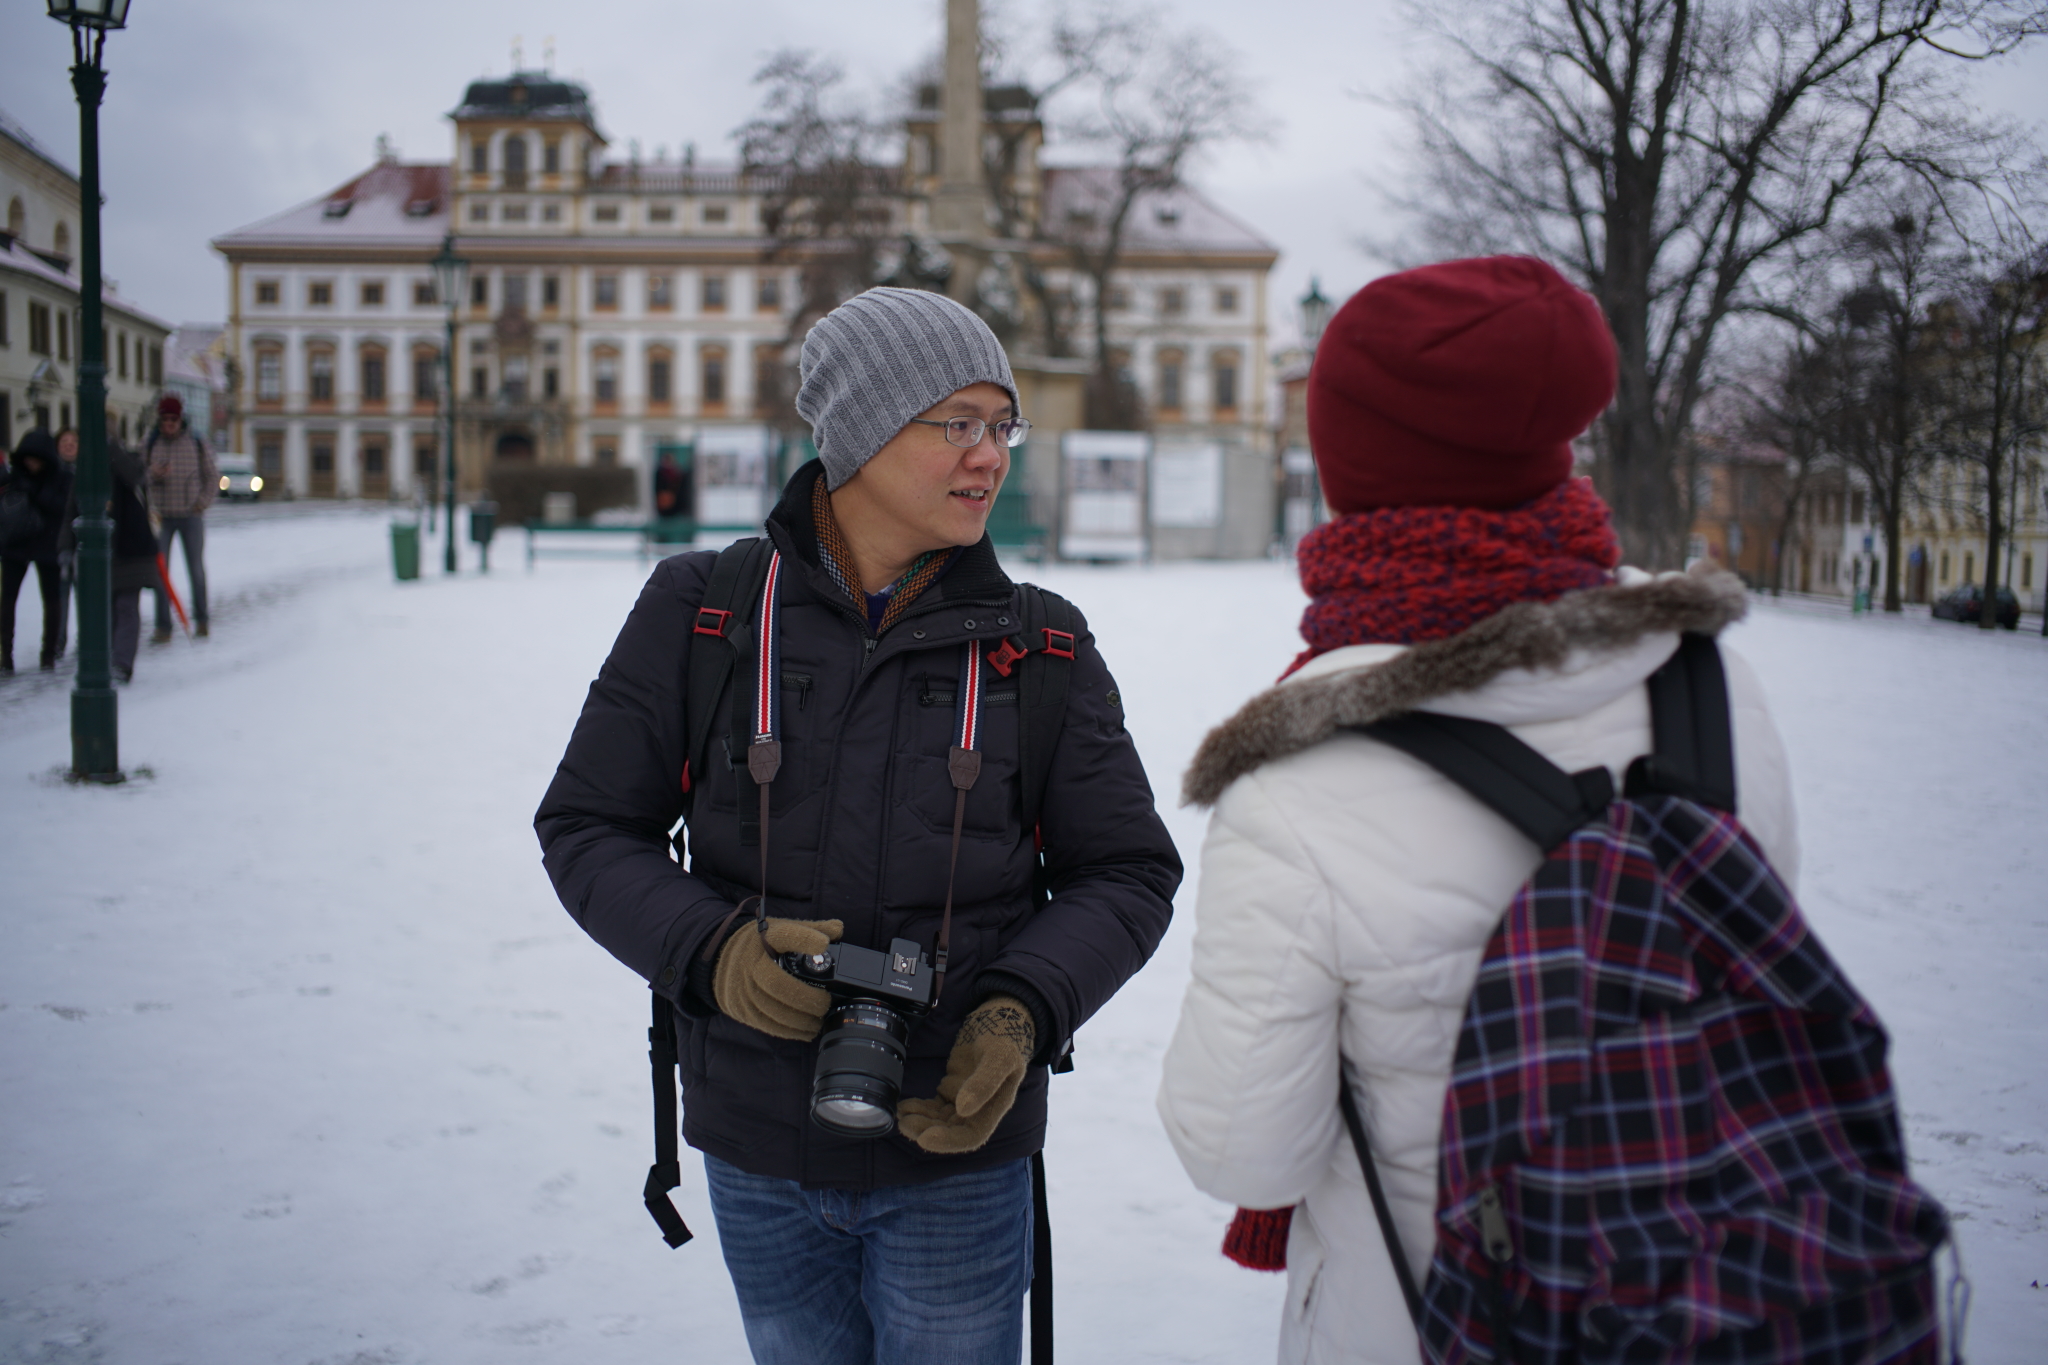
39	307
618	312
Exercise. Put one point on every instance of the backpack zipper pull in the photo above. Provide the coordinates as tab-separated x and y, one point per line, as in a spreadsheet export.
1493	1227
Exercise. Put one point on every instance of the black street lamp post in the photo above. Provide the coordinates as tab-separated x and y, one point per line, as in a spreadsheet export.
451	275
95	720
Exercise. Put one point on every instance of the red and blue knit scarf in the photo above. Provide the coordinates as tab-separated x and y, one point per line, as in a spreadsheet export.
1402	575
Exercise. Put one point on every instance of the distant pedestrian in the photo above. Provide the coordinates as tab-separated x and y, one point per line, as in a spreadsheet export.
36	494
134	553
183	482
67	540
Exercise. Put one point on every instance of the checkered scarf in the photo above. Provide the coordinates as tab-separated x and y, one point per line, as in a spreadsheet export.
837	557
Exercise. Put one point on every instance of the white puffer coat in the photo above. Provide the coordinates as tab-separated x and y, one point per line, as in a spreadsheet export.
1347	894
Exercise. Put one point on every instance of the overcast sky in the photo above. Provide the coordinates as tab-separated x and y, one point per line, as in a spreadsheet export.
221	112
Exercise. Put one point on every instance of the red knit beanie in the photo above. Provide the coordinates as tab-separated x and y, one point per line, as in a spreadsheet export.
1460	384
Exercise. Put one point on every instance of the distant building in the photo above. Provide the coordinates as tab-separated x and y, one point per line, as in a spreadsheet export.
631	312
39	301
196	369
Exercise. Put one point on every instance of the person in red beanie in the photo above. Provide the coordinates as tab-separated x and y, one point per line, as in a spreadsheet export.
1348	890
183	482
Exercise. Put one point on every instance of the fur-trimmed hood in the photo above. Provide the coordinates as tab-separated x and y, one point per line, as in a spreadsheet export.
1290	717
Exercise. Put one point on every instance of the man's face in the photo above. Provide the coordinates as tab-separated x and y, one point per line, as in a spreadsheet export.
168	423
935	493
67	445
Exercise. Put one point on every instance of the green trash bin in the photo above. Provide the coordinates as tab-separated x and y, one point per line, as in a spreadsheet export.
405	550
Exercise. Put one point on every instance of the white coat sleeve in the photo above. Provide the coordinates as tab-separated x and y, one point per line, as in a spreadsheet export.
1250	1084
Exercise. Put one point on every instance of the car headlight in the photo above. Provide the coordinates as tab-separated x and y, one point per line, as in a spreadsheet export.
255	483
223	483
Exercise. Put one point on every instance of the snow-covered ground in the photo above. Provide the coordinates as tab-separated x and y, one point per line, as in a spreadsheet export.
300	1061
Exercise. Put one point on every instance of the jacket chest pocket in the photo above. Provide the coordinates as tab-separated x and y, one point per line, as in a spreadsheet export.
923	783
731	787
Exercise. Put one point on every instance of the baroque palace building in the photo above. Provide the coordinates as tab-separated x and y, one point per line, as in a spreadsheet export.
620	309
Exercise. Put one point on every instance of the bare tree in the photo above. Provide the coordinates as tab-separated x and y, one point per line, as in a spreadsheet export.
827	199
1990	403
1156	100
1671	155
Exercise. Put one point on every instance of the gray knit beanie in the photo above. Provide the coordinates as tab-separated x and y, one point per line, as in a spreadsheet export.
880	359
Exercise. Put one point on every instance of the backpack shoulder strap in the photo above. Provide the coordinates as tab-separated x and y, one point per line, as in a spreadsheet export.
736	580
1047	671
1520	785
1693	742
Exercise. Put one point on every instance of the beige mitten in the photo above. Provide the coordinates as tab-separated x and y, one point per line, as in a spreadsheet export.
751	987
990	1054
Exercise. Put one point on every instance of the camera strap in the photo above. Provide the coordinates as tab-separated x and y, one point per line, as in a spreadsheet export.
963	765
764	754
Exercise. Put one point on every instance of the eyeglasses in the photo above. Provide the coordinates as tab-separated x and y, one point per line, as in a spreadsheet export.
966	432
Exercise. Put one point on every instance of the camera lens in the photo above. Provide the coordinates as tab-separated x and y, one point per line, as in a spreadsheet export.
860	1069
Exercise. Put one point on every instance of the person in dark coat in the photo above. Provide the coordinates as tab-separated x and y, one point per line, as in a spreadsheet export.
135	563
44	482
914	1246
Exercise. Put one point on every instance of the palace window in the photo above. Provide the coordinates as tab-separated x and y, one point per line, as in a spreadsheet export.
713	293
480	157
717	213
551	212
515	293
156	359
480	381
423	293
660	293
1223	384
426	374
768	293
270	458
661	213
320	294
267	291
269	375
63	334
604	372
515	161
480	291
1226	300
370	372
658	377
120	347
551	291
479	211
551	157
1170	374
39	327
606	213
320	375
515	213
1173	301
373	293
606	292
711	365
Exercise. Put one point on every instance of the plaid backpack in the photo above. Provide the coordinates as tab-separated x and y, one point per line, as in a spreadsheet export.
1670	1134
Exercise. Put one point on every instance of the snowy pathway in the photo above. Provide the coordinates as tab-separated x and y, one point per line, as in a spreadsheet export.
302	1063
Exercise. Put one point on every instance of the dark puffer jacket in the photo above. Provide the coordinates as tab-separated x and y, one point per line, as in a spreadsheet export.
860	827
42	477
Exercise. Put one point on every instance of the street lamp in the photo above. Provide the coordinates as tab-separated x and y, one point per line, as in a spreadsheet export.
95	713
1315	313
451	277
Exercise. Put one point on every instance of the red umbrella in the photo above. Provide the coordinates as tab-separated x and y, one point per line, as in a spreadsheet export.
163	573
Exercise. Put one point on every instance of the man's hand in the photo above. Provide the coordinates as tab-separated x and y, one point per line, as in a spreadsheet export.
751	987
990	1053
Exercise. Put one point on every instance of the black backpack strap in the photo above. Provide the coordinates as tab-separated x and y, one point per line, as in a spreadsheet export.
1520	785
735	581
1693	752
1380	1208
667	1172
1041	1265
1047	672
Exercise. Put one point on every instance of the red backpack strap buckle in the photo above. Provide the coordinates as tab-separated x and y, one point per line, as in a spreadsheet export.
1004	659
711	621
1059	643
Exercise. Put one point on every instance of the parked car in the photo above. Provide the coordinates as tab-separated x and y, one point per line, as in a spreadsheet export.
1967	604
239	480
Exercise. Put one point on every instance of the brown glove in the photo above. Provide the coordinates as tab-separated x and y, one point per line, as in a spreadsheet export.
989	1056
751	987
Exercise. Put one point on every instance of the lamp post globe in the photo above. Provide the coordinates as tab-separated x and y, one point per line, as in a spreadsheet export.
95	710
1315	313
451	279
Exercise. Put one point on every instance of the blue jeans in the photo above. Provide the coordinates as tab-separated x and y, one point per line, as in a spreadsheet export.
191	530
929	1274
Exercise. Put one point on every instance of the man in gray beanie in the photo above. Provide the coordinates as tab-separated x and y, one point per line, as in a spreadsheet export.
936	778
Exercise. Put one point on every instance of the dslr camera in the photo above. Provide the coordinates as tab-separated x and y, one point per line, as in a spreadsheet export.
876	998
